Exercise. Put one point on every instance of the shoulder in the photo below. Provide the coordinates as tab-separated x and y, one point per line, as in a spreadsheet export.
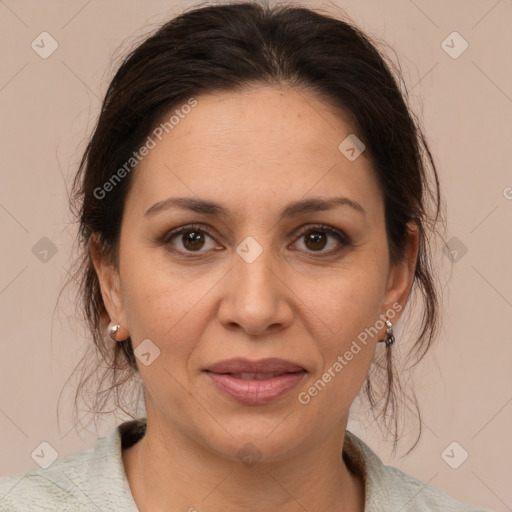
57	487
90	480
389	489
419	496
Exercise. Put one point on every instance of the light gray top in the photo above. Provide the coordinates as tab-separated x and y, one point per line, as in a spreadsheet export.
94	480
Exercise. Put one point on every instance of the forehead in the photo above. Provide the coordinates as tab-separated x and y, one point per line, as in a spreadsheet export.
272	142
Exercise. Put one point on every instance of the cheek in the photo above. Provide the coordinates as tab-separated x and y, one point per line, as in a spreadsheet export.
349	305
347	301
166	305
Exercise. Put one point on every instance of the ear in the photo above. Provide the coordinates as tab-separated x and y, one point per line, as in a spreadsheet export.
108	277
401	275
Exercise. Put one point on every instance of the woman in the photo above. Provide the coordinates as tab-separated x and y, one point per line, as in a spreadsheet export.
254	217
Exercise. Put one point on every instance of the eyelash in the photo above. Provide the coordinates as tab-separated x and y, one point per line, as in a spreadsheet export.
339	235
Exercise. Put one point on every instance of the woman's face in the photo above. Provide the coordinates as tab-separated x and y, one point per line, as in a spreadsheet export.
261	272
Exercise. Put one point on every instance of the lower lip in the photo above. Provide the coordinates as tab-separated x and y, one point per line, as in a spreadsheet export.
256	392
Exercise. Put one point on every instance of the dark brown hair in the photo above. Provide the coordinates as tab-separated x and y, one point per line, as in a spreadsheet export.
224	48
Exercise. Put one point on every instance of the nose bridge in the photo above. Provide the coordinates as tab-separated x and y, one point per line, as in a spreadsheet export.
253	268
256	296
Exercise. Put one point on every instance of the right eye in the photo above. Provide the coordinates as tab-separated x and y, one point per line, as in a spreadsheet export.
190	239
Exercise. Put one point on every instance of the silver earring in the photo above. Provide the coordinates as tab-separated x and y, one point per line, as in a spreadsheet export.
390	337
112	330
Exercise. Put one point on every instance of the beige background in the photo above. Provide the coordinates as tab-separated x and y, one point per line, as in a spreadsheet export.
49	106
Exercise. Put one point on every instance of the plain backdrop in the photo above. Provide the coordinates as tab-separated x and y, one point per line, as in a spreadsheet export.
48	107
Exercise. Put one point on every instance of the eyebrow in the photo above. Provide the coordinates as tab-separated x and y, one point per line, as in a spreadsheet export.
294	209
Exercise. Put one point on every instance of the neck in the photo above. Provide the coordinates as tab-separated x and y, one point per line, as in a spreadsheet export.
168	469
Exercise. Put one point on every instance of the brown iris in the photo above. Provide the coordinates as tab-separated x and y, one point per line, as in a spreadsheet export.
193	240
314	240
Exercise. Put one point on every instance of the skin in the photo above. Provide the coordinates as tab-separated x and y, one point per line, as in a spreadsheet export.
254	152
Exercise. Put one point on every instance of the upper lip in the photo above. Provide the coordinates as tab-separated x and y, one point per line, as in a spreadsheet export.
240	365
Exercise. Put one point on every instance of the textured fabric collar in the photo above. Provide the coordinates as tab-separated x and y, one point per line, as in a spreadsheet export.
107	485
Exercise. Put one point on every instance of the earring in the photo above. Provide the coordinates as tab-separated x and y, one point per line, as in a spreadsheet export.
390	337
112	331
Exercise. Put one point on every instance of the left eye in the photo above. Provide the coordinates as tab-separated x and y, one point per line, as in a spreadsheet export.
317	239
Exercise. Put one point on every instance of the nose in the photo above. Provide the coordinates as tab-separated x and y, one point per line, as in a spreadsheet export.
255	298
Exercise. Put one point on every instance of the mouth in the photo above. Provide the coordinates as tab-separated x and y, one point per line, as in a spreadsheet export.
255	382
267	366
254	376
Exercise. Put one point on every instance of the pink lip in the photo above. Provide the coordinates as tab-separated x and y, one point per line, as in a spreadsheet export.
255	391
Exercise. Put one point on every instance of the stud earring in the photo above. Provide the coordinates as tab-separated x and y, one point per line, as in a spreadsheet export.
390	337
112	331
